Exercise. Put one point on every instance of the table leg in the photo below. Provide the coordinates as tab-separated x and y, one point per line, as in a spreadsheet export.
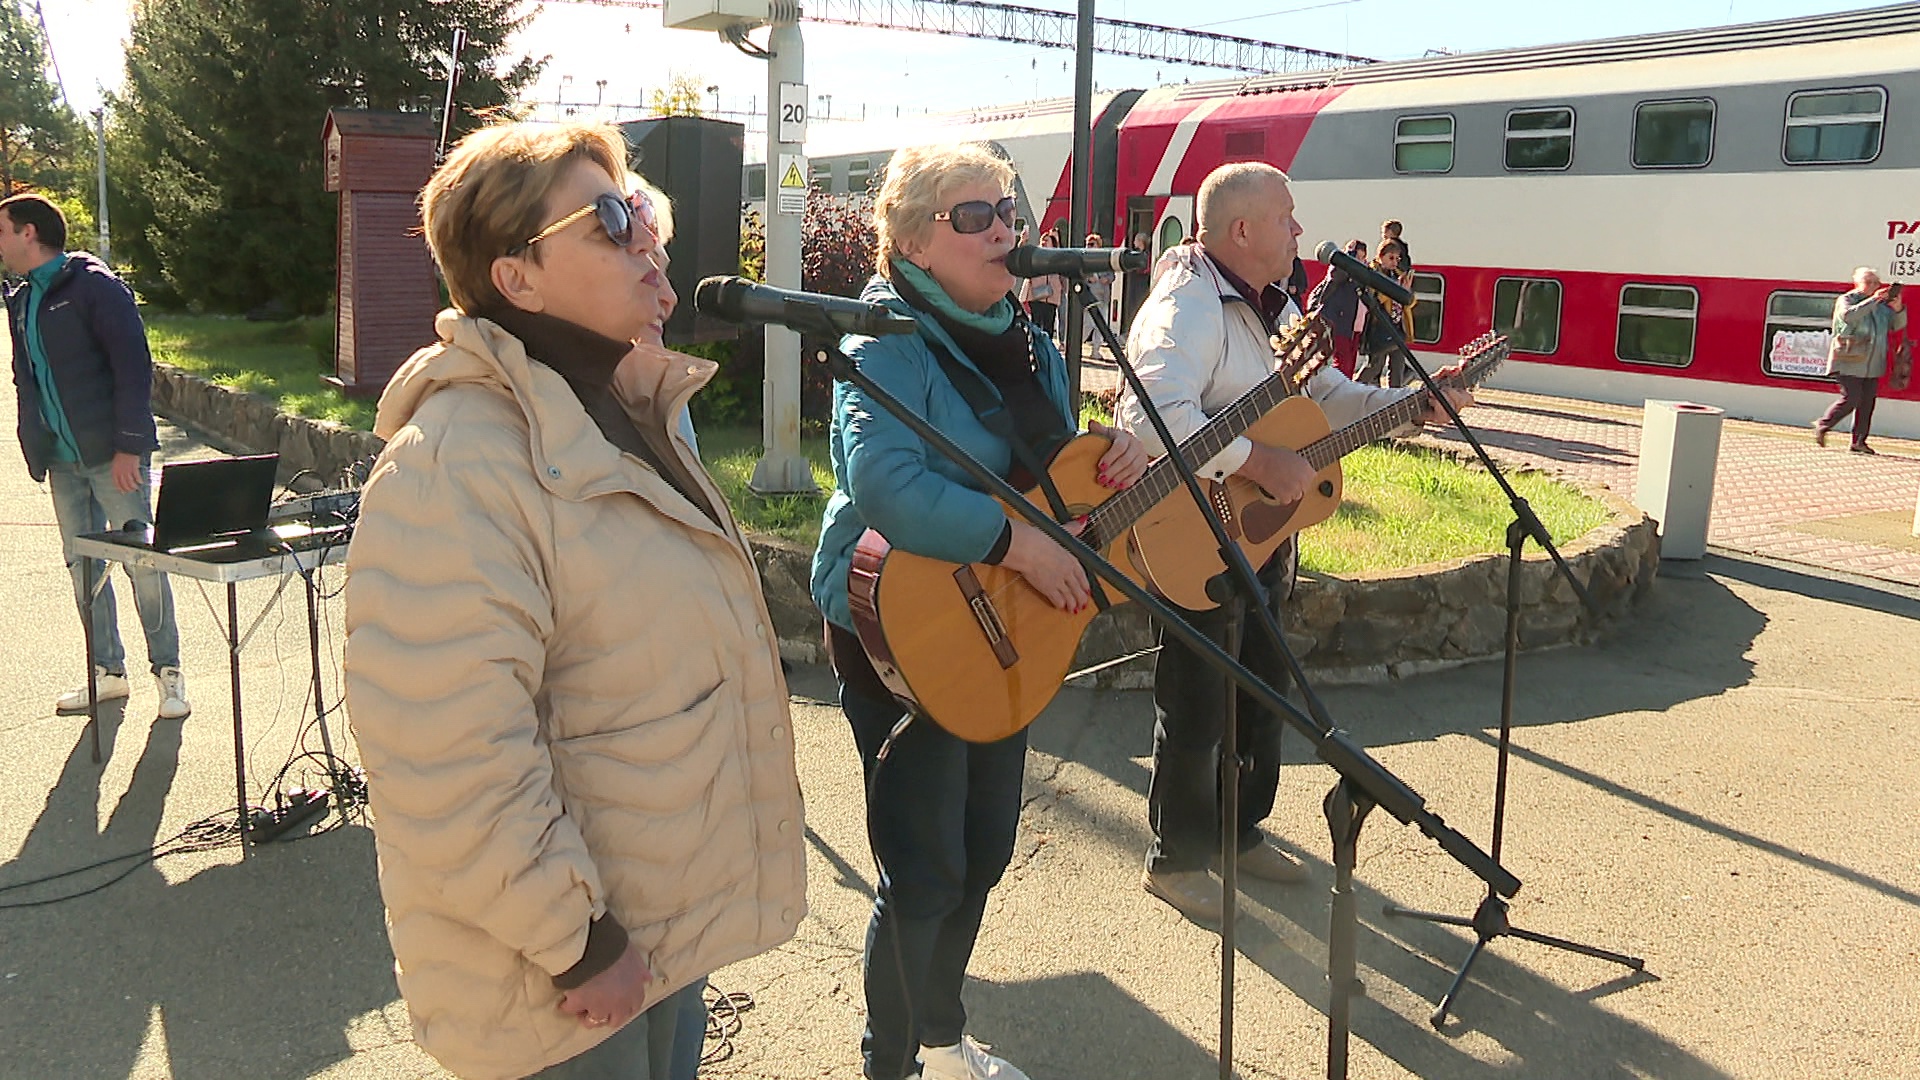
93	681
319	703
239	739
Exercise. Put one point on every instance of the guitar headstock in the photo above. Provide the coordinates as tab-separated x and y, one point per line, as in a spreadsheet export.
1480	358
1300	349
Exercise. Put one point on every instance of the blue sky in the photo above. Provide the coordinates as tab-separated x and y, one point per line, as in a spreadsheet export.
884	71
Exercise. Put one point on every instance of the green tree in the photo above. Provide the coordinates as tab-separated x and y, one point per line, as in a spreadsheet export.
39	135
680	97
216	141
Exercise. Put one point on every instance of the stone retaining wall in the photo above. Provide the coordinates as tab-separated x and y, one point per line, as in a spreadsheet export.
1361	629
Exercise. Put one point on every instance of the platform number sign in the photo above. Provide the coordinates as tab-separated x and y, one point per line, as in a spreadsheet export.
793	112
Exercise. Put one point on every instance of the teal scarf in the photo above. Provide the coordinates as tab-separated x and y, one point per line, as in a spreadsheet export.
995	320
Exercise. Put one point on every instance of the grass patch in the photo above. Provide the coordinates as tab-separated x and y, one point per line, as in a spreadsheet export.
1404	507
275	360
730	453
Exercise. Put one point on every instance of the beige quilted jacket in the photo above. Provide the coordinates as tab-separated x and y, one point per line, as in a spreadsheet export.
566	690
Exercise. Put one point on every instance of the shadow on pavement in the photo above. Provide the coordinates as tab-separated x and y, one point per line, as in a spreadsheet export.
1082	1025
253	968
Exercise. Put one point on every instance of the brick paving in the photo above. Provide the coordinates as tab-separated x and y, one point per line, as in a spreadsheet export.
1771	478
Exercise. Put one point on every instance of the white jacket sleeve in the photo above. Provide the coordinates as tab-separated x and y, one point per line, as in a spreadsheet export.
1176	342
1346	402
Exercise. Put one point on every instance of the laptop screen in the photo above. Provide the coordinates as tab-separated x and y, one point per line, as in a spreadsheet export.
204	501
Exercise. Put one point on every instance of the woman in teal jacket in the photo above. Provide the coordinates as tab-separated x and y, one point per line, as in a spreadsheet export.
943	812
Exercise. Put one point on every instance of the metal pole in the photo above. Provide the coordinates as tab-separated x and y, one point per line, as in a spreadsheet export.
1077	208
783	469
100	146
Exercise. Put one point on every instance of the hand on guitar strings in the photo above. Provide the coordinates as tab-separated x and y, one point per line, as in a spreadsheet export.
1125	462
1281	473
1049	568
1461	398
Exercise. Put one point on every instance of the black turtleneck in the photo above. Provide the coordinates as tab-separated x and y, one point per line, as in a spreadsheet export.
586	360
1008	360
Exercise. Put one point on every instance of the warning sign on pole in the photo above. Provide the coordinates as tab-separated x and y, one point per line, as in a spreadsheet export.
792	197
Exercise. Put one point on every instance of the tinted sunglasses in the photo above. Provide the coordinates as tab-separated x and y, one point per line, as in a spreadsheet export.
617	217
977	216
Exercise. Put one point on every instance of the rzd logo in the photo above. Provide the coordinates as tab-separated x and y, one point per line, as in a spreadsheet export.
1899	228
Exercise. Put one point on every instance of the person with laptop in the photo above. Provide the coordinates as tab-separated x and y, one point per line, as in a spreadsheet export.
84	378
560	669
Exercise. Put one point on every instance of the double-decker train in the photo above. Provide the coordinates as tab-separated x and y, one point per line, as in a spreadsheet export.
1662	216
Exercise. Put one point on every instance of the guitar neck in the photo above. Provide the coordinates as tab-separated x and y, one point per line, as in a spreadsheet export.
1119	513
1372	427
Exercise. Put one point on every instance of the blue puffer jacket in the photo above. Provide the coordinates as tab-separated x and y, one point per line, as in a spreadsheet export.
888	479
97	347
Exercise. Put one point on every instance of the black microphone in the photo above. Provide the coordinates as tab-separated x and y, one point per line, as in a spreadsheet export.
736	299
1329	252
1030	261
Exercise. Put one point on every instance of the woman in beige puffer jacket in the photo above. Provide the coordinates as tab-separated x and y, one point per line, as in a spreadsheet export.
560	668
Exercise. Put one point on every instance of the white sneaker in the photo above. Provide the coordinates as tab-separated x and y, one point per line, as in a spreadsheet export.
966	1060
107	686
173	693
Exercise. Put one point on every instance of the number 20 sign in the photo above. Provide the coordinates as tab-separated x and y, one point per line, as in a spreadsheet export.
793	112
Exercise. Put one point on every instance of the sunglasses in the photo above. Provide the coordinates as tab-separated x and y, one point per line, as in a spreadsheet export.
617	217
977	216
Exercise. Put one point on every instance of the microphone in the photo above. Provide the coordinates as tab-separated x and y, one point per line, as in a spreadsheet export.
736	299
1329	252
1030	261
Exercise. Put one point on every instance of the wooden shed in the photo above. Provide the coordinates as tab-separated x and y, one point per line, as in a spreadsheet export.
387	294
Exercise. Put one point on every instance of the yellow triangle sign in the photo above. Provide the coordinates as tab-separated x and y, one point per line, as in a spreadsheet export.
792	178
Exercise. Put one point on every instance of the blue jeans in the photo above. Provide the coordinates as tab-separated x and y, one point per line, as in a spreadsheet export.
690	1033
642	1050
941	821
85	500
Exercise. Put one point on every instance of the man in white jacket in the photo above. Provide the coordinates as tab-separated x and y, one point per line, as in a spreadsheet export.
1200	341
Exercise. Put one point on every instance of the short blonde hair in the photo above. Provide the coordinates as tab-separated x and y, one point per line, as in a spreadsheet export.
490	195
920	182
1225	193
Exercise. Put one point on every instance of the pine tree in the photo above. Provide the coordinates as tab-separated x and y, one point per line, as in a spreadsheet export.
221	115
40	138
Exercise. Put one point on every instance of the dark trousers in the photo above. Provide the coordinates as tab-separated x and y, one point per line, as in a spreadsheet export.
1857	396
1189	700
941	821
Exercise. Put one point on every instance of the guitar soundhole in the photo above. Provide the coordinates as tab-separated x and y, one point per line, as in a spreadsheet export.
1326	489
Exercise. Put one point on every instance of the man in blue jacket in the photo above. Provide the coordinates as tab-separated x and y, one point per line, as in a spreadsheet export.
85	383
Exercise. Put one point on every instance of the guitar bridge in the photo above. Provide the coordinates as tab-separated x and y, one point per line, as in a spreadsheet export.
987	616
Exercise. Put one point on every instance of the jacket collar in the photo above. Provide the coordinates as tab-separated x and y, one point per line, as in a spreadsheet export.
571	459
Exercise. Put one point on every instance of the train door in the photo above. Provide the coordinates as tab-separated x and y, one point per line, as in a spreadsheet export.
1140	226
1176	224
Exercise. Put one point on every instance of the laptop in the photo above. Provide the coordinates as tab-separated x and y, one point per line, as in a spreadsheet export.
217	503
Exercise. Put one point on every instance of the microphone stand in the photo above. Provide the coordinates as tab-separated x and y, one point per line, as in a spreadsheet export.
1368	782
1489	920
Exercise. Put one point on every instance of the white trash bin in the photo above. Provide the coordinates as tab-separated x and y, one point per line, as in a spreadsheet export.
1679	454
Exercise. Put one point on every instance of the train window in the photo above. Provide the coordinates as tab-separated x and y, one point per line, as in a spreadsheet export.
1429	305
822	177
1539	139
1527	310
757	182
1834	126
1246	145
1656	325
1799	325
1423	144
859	175
1673	134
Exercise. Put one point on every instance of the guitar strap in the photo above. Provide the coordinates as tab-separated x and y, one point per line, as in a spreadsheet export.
991	411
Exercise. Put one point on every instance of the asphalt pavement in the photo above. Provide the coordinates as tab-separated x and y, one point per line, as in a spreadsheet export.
1723	787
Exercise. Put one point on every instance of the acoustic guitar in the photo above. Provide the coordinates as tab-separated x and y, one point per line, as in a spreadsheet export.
973	646
1173	543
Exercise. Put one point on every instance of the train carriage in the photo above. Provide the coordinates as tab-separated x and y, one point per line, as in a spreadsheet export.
1666	216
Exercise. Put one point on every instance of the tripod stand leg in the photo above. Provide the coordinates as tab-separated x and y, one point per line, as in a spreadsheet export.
1440	1011
1346	808
1634	962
